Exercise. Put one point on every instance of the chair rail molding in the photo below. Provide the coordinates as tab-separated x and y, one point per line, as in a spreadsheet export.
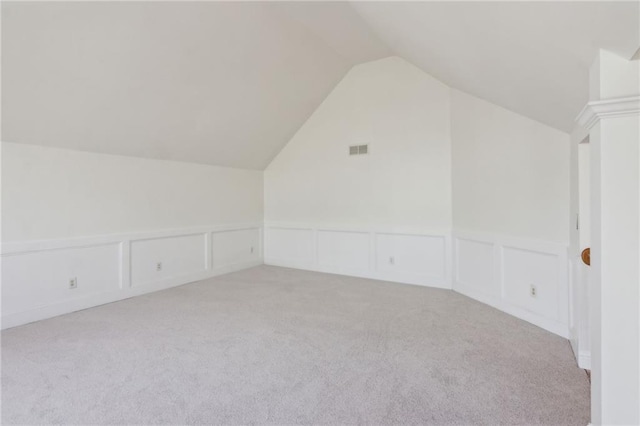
595	111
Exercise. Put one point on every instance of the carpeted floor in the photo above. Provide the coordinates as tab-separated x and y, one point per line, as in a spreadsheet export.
279	346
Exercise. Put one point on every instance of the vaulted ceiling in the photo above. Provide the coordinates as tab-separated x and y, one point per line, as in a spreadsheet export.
229	83
209	82
530	57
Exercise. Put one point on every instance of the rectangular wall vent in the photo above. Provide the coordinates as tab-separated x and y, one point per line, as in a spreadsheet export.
358	149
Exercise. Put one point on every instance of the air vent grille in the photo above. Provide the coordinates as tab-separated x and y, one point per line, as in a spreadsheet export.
358	149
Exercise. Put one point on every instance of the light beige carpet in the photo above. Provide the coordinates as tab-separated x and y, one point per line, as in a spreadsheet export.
279	346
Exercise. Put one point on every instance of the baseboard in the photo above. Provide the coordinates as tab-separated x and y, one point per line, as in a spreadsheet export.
584	360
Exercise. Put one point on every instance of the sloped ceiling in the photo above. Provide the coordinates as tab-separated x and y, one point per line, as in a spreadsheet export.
530	57
208	82
229	83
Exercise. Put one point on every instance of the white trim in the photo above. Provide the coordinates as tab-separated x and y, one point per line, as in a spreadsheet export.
595	111
584	360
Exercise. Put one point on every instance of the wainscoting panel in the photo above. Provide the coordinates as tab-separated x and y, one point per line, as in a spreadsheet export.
36	279
36	275
475	266
525	278
412	257
292	247
496	270
419	256
230	248
159	259
526	270
344	251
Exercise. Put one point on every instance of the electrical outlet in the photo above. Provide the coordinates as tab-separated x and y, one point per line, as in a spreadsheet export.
533	291
73	283
392	260
159	266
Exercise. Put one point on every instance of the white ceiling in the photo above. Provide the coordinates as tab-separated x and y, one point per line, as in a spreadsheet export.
217	83
229	83
530	57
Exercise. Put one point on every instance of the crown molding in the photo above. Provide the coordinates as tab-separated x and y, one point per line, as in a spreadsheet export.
595	111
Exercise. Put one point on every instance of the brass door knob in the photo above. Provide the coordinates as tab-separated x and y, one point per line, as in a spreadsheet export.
586	256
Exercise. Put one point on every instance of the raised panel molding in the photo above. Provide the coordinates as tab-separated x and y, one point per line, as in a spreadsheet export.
499	271
475	266
235	247
522	269
290	246
35	274
158	259
96	269
346	251
419	257
415	255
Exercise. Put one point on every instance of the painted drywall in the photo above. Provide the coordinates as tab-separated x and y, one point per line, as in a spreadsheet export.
52	193
613	77
405	180
223	83
510	173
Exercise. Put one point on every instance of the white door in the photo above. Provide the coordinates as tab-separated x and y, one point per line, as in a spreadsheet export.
582	271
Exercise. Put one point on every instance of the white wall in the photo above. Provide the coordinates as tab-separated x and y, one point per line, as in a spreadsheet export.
118	226
206	82
57	193
403	114
510	173
381	214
